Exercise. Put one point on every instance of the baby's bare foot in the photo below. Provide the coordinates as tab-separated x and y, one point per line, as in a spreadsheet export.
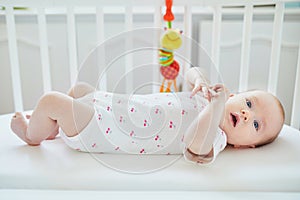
19	127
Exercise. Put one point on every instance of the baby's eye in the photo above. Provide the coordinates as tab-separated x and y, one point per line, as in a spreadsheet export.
249	104
256	125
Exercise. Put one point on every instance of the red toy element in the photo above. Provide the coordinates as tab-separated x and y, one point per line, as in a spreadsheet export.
170	73
169	15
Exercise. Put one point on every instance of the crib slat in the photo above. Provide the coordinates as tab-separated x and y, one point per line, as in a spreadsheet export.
295	118
44	50
72	44
246	46
14	59
128	58
100	24
216	33
187	21
276	48
157	18
100	38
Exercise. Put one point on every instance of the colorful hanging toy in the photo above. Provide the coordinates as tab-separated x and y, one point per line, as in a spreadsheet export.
170	41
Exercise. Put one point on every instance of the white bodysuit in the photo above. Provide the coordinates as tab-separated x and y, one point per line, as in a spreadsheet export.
140	124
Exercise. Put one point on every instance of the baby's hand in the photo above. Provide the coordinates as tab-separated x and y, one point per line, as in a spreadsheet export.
200	87
219	91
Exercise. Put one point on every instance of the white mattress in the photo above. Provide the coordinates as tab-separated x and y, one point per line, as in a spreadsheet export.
54	166
145	195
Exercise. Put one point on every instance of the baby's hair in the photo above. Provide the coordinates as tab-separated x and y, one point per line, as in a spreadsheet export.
271	139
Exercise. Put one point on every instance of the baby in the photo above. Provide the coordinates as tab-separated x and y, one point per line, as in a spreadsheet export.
198	124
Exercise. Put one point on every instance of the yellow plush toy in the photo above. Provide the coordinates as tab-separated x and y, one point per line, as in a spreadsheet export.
171	39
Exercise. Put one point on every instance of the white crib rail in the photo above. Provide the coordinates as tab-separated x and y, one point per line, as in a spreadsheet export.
216	32
14	59
246	44
44	50
295	119
276	47
72	44
216	5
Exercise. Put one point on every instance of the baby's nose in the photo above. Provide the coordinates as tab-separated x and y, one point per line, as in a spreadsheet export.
245	114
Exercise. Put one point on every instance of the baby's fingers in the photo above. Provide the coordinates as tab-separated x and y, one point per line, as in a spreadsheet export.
218	88
196	89
208	93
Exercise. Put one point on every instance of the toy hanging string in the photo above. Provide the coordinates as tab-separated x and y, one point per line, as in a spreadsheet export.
170	40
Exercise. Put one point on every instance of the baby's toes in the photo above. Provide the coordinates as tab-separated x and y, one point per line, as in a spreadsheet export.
18	122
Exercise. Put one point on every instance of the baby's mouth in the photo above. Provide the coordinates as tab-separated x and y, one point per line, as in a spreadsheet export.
234	119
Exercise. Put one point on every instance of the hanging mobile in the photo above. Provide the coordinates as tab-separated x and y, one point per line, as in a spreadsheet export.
170	40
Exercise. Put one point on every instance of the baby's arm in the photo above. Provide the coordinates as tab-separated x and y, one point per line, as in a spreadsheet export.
196	78
202	132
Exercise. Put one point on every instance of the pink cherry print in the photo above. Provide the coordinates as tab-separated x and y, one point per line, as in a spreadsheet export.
142	151
132	110
171	124
158	145
119	102
94	100
94	145
156	111
131	133
156	138
78	149
108	108
99	117
183	112
108	130
121	119
169	103
145	122
117	148
106	95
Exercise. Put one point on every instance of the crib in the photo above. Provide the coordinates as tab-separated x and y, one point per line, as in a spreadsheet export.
60	49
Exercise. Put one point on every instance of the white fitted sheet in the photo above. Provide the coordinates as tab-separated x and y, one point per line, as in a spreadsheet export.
53	165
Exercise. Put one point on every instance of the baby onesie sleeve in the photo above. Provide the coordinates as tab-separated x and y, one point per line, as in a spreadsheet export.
219	145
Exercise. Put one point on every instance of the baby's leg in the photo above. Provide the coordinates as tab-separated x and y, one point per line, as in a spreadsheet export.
80	89
52	109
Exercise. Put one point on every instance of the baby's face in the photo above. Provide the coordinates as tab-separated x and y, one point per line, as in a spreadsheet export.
251	117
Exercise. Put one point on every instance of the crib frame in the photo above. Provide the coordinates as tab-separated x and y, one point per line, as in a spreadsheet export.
216	7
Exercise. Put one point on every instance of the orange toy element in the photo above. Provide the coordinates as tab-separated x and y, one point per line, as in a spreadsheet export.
169	15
